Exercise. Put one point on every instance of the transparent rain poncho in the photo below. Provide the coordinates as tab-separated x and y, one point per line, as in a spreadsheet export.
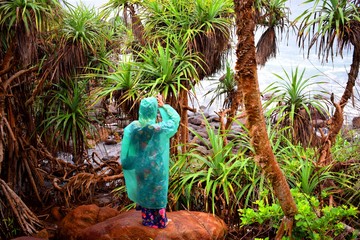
145	154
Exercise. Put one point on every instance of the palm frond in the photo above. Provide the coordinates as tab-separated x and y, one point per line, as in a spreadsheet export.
266	46
225	89
273	15
328	23
205	26
293	104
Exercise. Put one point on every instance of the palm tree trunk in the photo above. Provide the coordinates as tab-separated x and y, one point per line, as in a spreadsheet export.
184	132
336	121
137	26
246	76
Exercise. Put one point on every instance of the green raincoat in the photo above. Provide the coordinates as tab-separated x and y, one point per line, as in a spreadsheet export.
145	154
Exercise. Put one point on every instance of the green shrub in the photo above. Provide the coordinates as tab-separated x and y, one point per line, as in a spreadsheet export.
311	222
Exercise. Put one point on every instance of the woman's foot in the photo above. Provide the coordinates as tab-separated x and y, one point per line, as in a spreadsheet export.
167	223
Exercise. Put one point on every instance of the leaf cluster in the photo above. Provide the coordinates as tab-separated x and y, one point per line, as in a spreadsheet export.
328	24
312	220
294	99
68	118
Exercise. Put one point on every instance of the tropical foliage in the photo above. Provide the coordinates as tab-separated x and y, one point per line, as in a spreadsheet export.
59	61
273	16
295	100
333	23
330	25
224	90
167	69
206	181
312	222
120	86
212	181
205	26
69	120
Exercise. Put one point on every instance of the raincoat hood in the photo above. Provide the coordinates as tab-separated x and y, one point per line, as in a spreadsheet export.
148	110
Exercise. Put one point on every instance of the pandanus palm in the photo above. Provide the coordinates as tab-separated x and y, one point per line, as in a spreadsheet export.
204	26
294	103
129	15
204	30
21	24
79	36
122	87
225	90
80	33
333	25
273	16
167	69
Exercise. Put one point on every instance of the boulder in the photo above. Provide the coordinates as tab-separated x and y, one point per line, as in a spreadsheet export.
83	224
41	235
82	217
184	225
196	120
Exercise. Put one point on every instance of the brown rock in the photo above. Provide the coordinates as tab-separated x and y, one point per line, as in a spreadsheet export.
41	235
89	222
356	122
196	120
184	225
82	217
27	238
57	213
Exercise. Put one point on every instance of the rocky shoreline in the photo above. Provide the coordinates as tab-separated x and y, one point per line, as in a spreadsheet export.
109	144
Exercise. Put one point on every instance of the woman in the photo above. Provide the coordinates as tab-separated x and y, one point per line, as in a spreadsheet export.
145	159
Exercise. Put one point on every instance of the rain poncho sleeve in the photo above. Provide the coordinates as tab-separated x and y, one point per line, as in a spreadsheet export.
145	154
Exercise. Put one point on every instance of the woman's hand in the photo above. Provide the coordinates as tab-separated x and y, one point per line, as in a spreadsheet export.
160	100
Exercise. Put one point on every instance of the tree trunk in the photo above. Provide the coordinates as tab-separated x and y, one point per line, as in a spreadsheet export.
184	131
246	76
336	121
137	26
235	104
